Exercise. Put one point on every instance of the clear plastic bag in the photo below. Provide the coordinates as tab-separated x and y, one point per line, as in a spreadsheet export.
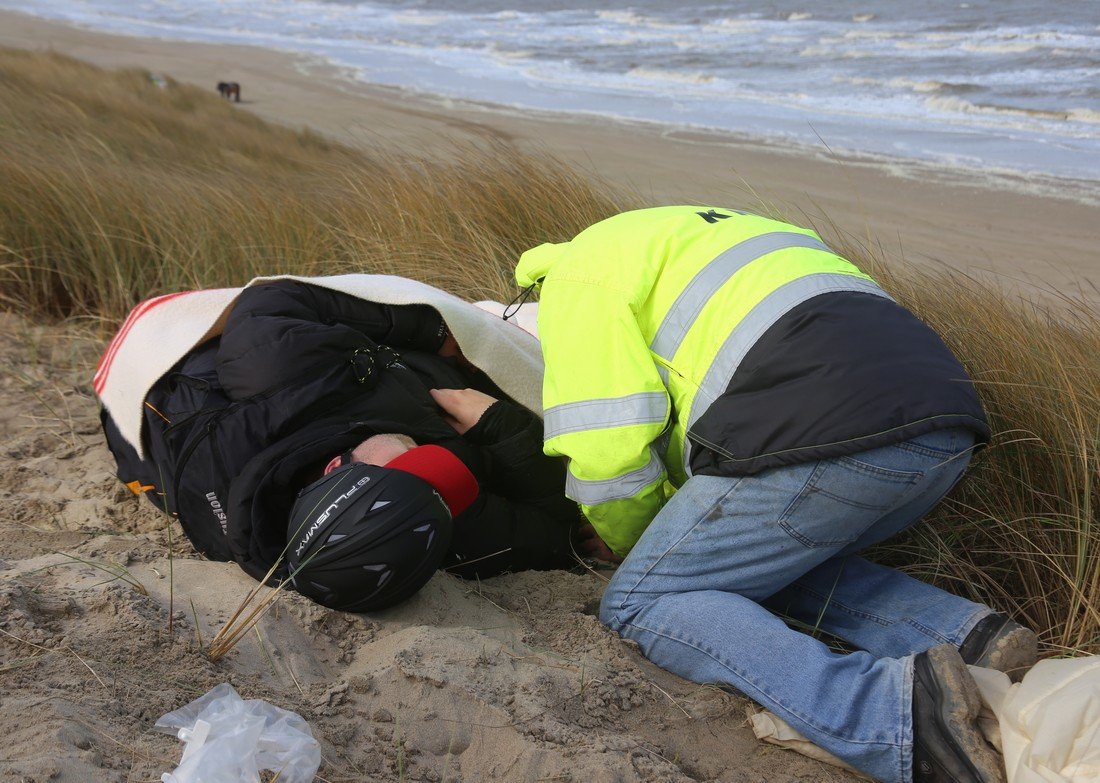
229	740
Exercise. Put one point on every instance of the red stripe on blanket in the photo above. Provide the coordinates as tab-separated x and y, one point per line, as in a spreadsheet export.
104	367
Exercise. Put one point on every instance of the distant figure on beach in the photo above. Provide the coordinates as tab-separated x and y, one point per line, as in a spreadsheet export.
742	411
344	442
230	91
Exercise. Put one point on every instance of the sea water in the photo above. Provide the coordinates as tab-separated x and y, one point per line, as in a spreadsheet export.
1009	86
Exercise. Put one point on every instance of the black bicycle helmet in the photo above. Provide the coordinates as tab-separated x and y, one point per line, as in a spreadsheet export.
366	537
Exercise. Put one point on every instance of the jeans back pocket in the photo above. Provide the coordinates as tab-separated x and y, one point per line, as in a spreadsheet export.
845	496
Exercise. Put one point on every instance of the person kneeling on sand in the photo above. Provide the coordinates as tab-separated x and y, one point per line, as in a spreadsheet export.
742	411
266	440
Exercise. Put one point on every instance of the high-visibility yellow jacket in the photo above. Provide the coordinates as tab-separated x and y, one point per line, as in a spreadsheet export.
649	321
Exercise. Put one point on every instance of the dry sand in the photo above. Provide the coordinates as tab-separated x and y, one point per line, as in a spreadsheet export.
512	679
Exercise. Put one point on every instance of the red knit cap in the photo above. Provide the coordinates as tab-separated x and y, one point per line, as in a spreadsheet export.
443	471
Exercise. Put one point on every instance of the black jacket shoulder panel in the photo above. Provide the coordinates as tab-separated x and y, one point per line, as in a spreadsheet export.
840	373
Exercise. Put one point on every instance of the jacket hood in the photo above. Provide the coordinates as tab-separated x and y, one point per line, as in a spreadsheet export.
534	265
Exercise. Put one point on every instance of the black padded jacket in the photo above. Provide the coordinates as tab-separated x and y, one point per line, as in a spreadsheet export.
302	373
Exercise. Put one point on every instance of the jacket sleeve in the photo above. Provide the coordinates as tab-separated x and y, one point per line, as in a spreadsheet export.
605	407
524	521
276	330
518	470
504	535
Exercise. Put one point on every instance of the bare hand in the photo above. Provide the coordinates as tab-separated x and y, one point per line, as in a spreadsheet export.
591	545
462	408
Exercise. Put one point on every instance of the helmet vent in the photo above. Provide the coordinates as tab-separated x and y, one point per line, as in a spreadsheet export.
379	504
430	530
384	576
336	537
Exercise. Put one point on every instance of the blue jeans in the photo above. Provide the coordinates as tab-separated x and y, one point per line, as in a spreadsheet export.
699	589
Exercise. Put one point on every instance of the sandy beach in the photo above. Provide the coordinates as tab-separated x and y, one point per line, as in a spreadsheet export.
1026	234
105	614
513	679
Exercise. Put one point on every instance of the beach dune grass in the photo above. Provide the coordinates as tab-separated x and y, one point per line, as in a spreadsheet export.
1021	531
117	189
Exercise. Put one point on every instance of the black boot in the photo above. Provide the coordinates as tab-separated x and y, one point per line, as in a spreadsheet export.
999	643
947	745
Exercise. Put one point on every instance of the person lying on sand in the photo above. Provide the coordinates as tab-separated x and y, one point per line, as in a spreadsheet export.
308	389
743	410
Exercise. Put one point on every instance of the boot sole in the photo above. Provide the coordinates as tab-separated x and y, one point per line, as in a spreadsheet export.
959	704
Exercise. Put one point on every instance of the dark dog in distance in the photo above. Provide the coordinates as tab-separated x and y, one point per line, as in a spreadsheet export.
230	91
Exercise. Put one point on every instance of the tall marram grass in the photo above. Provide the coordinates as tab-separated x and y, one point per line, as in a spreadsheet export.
113	189
1021	532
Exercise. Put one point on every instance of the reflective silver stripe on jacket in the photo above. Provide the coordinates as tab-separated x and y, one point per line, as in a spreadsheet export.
592	493
691	301
640	408
758	320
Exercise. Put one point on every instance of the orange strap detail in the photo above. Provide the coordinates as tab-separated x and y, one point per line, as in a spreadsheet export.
137	487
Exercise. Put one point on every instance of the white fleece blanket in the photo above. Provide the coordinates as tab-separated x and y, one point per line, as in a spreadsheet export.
160	331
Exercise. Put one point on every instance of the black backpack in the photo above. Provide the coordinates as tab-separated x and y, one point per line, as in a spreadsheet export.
184	472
